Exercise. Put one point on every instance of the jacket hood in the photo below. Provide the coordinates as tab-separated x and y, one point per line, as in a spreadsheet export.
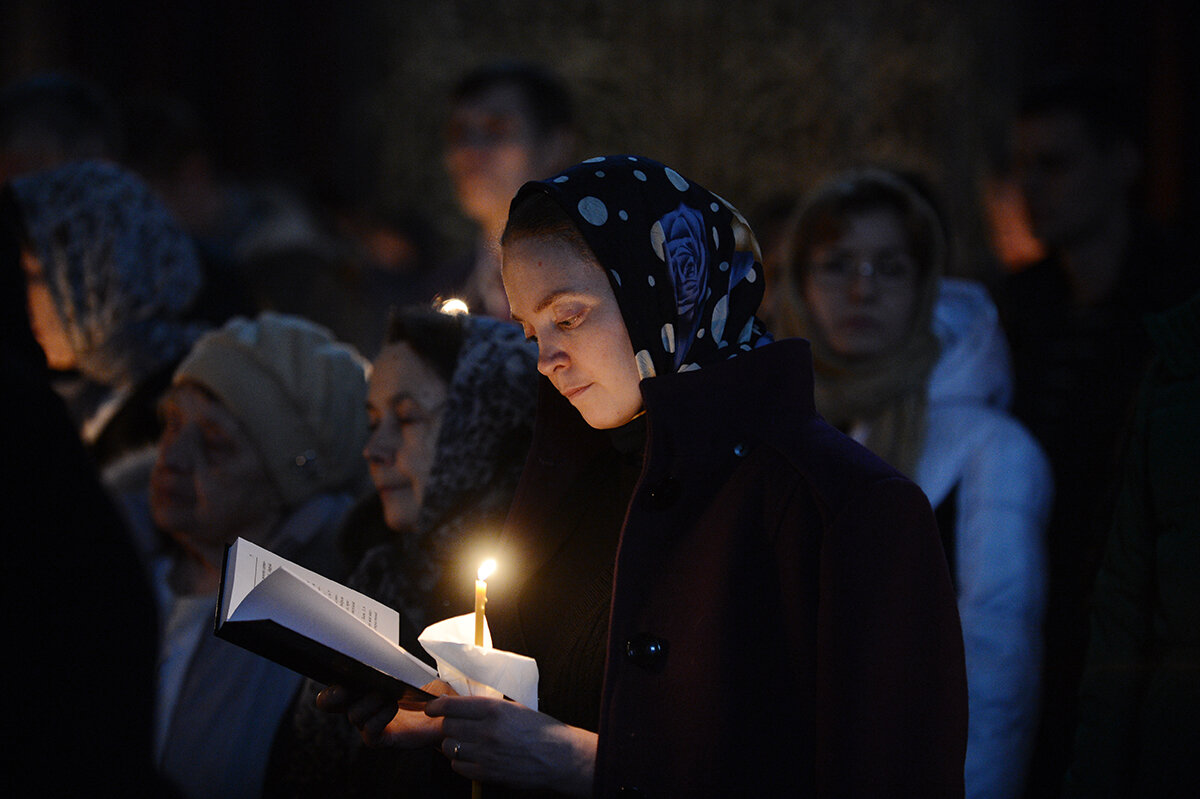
974	365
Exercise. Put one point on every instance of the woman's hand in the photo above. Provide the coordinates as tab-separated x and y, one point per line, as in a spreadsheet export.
385	722
495	740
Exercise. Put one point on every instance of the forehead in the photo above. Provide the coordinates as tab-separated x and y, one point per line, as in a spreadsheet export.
501	101
399	370
534	269
878	228
194	401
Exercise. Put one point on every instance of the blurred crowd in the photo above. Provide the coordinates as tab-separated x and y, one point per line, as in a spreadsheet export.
194	358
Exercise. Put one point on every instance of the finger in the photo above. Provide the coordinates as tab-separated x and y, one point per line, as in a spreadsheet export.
439	688
463	707
471	771
333	699
373	727
461	729
452	748
366	708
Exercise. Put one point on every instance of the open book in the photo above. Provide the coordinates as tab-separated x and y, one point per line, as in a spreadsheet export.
314	625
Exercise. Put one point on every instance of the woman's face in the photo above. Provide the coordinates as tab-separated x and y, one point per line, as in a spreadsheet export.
405	399
209	485
47	325
565	303
862	287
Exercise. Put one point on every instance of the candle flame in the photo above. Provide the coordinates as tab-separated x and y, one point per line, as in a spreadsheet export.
486	568
454	307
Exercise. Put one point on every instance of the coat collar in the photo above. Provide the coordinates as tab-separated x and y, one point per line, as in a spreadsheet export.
699	414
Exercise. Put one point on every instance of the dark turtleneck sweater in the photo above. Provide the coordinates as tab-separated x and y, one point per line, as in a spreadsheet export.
565	605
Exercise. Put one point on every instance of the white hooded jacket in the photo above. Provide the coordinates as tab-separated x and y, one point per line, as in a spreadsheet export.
982	459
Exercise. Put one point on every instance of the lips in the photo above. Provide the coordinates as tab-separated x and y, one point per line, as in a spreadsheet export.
164	488
572	393
859	322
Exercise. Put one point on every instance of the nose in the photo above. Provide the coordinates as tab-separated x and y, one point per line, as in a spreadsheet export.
179	449
863	283
551	356
380	446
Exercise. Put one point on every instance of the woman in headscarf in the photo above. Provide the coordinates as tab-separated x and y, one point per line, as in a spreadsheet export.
111	279
724	594
450	403
915	366
262	428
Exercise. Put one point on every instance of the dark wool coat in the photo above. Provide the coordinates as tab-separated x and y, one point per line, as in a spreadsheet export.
782	611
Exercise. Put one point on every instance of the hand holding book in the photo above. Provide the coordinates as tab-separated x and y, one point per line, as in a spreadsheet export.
338	636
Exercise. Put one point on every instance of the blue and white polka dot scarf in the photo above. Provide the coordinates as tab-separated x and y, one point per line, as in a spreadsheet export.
683	263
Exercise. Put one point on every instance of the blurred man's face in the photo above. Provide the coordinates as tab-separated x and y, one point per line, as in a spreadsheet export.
492	149
1072	185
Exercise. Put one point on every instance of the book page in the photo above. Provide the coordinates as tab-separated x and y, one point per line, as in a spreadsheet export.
286	599
249	564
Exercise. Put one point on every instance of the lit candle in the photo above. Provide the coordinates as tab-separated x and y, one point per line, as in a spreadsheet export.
485	570
454	307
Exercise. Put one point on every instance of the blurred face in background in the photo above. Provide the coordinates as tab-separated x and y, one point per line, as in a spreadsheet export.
861	287
209	484
1072	185
405	400
47	325
492	148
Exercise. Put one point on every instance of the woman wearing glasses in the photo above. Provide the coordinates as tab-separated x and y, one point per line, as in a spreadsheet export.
914	366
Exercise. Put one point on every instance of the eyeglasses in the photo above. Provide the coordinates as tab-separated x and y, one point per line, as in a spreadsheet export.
889	270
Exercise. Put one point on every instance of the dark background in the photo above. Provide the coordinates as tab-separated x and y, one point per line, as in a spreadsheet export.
752	99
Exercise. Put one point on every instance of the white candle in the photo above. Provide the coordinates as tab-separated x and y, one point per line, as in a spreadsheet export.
485	570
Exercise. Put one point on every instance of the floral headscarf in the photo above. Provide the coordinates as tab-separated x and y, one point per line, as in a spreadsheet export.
121	270
683	263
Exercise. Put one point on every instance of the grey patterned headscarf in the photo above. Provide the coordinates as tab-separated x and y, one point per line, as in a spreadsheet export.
121	270
487	425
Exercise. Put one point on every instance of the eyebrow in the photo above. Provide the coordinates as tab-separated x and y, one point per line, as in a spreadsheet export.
549	300
392	399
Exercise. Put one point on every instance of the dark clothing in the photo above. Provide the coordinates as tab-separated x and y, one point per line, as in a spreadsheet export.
1076	370
562	612
782	613
81	622
1139	720
135	426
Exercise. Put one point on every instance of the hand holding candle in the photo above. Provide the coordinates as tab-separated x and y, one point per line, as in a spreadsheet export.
485	570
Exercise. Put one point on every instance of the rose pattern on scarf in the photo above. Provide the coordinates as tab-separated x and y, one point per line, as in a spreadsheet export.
678	239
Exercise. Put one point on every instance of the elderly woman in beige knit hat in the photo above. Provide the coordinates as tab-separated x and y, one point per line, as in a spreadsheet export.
263	427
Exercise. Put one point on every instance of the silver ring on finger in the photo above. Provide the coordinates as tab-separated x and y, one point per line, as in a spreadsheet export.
454	751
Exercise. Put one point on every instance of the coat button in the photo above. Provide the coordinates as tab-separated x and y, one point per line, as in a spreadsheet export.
663	494
647	651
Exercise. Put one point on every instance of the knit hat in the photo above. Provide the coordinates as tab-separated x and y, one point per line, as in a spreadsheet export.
300	395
